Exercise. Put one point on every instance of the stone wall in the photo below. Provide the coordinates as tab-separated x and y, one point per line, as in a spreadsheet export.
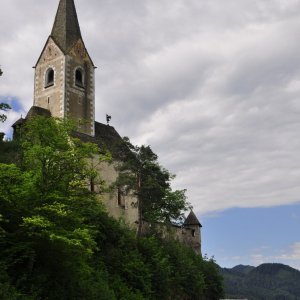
65	98
80	100
51	97
127	208
187	235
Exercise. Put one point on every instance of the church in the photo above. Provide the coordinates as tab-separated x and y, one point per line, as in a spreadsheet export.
64	87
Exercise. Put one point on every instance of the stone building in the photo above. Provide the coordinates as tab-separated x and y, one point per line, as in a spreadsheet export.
65	74
189	233
64	86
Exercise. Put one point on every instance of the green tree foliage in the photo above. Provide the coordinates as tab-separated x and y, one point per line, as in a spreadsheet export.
45	210
4	107
9	151
141	172
57	241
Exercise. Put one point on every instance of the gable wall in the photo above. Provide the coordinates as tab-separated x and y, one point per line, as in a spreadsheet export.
52	97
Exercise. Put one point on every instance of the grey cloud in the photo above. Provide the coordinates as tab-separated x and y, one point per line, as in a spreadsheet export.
212	86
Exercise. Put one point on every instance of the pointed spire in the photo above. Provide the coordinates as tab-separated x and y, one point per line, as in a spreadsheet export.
192	220
66	30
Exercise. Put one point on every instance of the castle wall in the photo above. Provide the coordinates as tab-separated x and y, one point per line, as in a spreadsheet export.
128	211
190	236
187	235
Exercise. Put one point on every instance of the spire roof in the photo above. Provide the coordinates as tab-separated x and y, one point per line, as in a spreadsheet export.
66	30
192	219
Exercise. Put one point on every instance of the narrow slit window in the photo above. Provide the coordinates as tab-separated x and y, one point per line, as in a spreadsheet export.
121	198
79	78
49	80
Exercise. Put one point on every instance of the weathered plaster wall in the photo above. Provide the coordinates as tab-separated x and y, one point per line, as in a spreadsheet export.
51	97
80	101
190	236
128	212
64	98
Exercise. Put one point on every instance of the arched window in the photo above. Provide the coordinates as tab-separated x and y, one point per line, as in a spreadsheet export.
79	78
49	80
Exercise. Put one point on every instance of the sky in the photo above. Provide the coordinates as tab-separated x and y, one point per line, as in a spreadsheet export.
213	86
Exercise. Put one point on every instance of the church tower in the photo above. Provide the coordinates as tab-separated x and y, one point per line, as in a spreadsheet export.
65	73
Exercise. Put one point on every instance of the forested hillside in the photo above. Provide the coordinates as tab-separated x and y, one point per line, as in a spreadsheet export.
266	282
57	241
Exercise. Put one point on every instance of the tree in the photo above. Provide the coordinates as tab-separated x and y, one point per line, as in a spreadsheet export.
58	161
57	242
46	210
5	107
140	172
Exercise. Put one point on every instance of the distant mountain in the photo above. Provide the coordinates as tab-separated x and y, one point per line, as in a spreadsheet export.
266	282
242	269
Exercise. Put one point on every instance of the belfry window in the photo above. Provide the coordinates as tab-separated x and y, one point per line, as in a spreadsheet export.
49	80
79	78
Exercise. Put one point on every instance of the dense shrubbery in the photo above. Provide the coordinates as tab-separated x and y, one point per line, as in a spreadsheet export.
57	241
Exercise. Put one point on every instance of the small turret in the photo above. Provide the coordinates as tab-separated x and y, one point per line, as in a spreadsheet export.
192	232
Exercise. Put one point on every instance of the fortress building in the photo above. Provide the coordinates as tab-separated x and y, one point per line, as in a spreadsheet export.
64	87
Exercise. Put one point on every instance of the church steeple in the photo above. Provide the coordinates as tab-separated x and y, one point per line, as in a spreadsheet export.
64	73
66	30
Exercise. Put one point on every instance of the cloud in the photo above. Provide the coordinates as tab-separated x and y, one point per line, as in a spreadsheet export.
212	87
289	256
265	254
292	254
12	114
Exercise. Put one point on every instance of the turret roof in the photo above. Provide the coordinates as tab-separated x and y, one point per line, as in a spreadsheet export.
192	220
66	30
